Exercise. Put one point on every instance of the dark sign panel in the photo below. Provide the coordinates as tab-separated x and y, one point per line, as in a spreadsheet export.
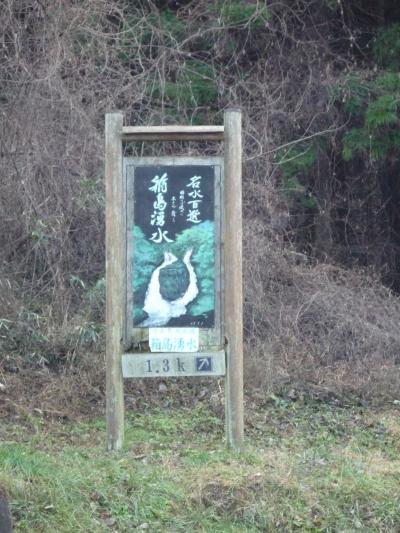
173	261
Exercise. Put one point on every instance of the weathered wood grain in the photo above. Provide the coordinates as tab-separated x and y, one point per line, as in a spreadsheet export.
173	133
115	260
233	278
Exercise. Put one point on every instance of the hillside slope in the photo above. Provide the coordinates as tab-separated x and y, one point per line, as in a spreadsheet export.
318	84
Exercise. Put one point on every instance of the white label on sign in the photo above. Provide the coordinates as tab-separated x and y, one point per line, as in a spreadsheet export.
174	339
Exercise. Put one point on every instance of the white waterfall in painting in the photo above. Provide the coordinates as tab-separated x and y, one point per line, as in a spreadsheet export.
160	311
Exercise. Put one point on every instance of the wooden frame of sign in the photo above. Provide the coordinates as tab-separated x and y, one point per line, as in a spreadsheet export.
173	265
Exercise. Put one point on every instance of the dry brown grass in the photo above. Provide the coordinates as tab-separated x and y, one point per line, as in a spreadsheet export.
317	324
63	65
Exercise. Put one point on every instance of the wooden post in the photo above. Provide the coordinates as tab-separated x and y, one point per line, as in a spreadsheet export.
114	280
233	278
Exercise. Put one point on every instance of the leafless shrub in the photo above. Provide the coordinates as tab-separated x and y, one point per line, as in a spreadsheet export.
319	324
63	64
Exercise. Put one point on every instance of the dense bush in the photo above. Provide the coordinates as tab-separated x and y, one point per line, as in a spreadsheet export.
314	83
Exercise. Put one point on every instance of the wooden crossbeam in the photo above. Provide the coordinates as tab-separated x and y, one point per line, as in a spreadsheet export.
173	133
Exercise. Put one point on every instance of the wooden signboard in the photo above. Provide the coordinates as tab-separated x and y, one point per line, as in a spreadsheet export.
166	269
173	260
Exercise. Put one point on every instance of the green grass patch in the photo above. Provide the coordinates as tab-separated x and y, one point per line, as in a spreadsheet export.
307	467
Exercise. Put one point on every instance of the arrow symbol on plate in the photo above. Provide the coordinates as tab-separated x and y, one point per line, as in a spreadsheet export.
203	363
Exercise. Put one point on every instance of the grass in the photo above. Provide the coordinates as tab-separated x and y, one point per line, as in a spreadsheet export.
307	467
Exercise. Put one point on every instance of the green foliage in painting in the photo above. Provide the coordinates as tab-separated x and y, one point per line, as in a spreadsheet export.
149	255
201	239
386	48
174	280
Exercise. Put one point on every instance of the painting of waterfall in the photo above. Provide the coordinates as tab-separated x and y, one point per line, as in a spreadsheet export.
173	260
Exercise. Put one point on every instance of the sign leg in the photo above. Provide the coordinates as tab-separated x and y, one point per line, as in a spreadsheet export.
233	278
114	280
